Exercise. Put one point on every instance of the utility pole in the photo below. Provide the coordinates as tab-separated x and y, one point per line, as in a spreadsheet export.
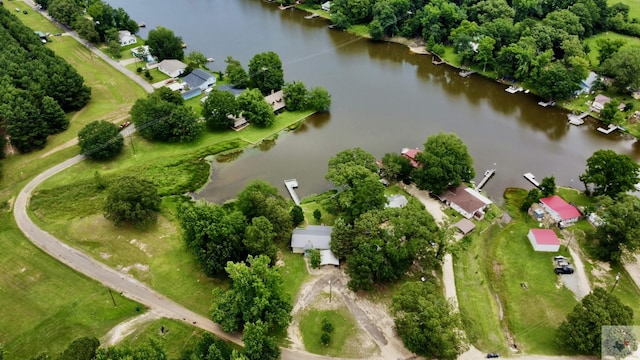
329	290
616	283
132	147
112	298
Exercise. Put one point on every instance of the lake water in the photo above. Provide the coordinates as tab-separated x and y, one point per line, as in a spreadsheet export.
384	98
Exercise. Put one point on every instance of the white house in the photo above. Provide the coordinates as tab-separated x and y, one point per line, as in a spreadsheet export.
599	102
126	38
326	6
311	237
560	211
199	79
172	67
544	240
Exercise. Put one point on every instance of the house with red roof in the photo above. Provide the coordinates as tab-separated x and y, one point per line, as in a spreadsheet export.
466	201
544	240
411	155
561	211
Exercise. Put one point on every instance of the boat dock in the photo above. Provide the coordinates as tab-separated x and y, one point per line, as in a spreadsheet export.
548	103
512	89
608	130
465	73
291	184
577	119
312	16
437	61
487	175
532	179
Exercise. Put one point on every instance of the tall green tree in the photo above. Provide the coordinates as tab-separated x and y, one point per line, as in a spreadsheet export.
295	94
237	75
624	67
132	200
426	322
359	190
610	173
297	215
607	48
396	166
319	99
260	198
64	11
258	345
265	72
100	140
164	44
215	236
256	293
444	162
582	329
83	348
255	109
259	238
217	109
548	186
619	234
485	52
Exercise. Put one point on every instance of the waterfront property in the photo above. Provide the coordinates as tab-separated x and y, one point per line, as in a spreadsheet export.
276	100
291	184
411	155
599	102
532	179
563	213
190	94
312	237
587	84
239	122
126	38
465	226
172	67
543	240
143	53
466	201
326	6
199	79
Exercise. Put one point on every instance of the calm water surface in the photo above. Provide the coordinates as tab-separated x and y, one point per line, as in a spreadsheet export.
384	99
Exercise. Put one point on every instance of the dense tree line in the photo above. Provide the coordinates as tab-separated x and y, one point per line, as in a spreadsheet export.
535	42
36	87
253	225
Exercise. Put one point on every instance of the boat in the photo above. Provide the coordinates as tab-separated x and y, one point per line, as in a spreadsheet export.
210	59
142	25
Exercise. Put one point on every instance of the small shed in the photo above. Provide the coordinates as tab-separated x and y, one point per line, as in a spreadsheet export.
538	214
465	226
326	6
544	240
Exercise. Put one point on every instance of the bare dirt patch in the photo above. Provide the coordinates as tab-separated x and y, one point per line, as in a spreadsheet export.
124	329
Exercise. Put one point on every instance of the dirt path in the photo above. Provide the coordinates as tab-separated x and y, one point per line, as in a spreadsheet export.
633	268
433	206
126	328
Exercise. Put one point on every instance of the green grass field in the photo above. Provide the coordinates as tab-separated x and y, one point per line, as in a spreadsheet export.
634	7
177	336
343	338
593	42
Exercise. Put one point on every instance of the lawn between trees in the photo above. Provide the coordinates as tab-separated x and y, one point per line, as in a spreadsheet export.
491	265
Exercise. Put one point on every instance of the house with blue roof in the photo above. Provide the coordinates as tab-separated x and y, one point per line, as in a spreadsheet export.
199	79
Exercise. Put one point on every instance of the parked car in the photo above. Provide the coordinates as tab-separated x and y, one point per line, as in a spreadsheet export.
493	355
125	124
563	270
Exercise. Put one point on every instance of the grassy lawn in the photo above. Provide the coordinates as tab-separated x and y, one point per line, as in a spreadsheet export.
45	300
634	7
311	203
156	75
294	273
177	336
342	342
593	40
34	19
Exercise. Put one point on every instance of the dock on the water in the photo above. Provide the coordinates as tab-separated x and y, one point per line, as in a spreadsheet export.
437	61
291	184
487	175
465	73
532	179
548	103
609	129
577	119
312	16
512	89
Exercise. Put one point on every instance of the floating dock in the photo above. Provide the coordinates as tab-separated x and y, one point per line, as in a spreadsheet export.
487	175
532	179
577	119
548	103
512	89
465	74
608	130
291	184
437	61
312	16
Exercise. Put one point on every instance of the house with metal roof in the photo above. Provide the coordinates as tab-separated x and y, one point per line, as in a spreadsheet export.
172	67
199	79
543	240
311	237
560	211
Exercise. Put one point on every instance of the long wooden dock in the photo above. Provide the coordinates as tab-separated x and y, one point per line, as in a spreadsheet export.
609	129
548	103
465	74
532	179
291	184
487	175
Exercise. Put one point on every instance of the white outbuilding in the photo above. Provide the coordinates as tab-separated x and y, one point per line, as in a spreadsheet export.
544	240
